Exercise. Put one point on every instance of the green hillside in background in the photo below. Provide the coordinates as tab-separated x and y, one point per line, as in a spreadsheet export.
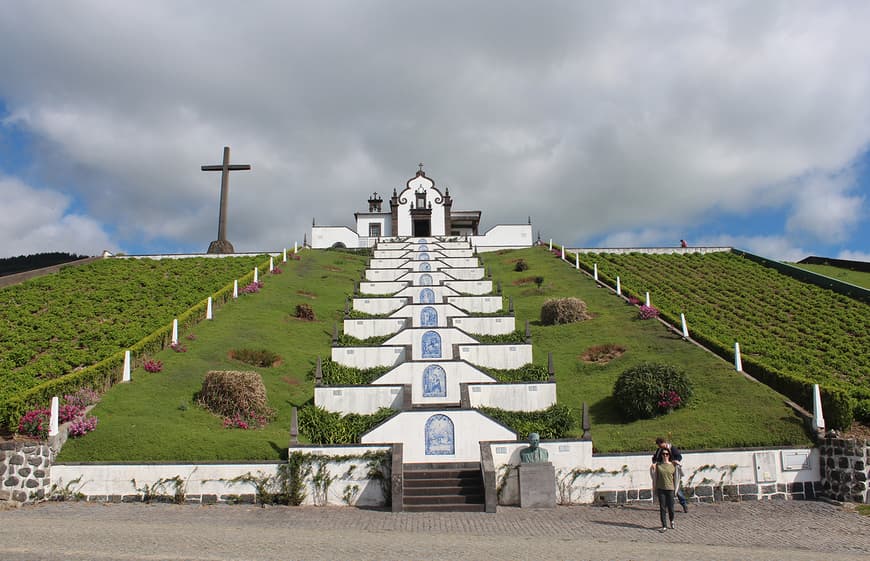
155	418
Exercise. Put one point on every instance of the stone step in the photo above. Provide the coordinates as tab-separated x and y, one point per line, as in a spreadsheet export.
443	500
446	508
456	490
441	475
441	465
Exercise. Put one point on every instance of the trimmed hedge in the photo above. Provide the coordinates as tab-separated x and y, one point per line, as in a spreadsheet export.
839	408
554	422
105	373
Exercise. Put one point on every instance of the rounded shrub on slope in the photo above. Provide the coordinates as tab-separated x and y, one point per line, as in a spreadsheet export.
650	389
238	397
563	310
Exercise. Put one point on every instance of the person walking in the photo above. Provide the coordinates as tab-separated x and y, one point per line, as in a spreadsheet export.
664	478
676	459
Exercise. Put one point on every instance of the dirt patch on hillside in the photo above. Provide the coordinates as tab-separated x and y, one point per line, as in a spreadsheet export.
602	354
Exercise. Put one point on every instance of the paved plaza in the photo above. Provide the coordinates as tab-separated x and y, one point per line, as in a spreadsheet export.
774	530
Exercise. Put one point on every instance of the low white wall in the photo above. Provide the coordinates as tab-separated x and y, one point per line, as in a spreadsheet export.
387	263
409	427
485	325
379	306
504	236
513	397
365	328
467	273
755	468
476	304
456	373
323	237
368	357
461	261
389	287
159	256
382	275
502	357
476	287
465	252
363	400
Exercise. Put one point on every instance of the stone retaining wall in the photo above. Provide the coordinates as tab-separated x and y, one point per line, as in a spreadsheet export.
844	467
24	470
718	493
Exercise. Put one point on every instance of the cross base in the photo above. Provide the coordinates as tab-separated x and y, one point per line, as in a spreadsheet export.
220	246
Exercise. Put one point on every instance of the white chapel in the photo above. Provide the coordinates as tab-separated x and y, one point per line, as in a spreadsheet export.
420	209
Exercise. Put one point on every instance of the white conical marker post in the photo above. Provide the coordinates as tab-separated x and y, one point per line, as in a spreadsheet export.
563	252
175	331
618	286
125	377
818	417
738	364
236	288
577	261
295	247
284	258
595	271
685	328
271	263
52	422
647	299
551	244
256	274
208	309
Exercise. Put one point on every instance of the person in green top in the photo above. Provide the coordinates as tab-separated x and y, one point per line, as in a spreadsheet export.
664	478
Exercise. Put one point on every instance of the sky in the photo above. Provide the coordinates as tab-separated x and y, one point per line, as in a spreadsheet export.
608	124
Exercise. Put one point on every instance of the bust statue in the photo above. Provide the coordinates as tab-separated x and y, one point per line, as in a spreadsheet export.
533	453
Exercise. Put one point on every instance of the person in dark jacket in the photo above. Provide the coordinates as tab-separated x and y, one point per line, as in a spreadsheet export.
676	458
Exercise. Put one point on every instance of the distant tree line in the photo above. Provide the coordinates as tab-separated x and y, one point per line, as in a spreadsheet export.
22	263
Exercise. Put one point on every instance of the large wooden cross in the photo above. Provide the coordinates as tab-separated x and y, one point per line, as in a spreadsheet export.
225	168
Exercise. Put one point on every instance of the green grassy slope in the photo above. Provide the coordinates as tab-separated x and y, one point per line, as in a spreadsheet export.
154	418
857	278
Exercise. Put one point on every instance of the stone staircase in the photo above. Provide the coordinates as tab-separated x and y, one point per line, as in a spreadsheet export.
443	487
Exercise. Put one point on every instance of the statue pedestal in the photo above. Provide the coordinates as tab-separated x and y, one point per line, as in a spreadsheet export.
221	247
537	485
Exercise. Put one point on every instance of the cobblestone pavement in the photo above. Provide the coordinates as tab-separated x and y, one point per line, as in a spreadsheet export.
775	530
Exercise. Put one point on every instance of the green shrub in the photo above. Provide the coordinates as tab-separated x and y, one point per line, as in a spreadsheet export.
325	427
528	373
554	422
263	358
563	310
649	389
335	374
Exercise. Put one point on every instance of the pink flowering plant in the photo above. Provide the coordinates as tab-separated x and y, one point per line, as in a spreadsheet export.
152	365
246	420
82	398
69	411
669	400
82	426
633	300
178	347
648	312
35	423
276	271
252	288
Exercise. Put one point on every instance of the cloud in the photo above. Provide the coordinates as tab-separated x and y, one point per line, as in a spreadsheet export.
824	209
778	248
588	118
36	221
850	255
